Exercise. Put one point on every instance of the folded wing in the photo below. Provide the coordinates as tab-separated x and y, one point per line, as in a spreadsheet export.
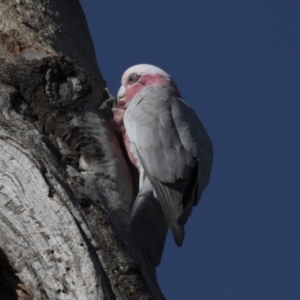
174	150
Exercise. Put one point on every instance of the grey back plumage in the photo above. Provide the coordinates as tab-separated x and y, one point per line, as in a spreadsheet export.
174	150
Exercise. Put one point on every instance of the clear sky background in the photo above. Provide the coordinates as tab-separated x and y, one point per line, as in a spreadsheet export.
237	63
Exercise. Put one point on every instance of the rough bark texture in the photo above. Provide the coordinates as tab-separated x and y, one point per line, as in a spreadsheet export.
65	187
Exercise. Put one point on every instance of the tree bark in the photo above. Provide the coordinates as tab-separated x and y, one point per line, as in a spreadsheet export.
65	186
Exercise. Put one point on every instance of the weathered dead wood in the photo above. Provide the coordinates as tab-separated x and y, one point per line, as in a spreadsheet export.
65	187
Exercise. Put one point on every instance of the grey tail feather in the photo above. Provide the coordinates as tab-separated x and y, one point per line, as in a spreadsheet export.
149	226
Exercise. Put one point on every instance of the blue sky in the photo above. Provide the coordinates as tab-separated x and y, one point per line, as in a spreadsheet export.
237	63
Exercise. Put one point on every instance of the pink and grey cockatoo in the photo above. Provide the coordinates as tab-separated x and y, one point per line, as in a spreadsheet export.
172	151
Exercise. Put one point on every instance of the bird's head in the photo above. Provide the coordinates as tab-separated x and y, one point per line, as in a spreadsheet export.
138	77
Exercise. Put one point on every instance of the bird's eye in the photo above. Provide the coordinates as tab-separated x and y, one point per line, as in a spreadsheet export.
133	78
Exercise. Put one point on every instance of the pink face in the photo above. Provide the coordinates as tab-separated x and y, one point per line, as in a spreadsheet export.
138	77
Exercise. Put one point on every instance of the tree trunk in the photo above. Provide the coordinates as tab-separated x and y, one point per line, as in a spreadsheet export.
65	187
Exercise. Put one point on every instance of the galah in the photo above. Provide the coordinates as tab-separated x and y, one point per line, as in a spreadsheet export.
172	151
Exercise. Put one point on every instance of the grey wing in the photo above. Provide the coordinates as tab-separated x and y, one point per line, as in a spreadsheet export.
174	149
